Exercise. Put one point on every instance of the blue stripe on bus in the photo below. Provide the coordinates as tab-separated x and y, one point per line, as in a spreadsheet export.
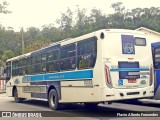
74	75
129	69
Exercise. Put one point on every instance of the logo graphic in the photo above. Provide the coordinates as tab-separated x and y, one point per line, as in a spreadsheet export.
120	82
143	82
128	44
6	114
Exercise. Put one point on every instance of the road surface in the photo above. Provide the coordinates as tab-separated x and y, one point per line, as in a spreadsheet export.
79	111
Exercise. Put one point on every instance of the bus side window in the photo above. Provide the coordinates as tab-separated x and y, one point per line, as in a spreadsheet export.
87	50
156	58
38	64
29	66
8	70
33	58
15	70
22	66
68	57
53	61
43	63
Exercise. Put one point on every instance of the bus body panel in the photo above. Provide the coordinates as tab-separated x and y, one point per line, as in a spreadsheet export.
135	88
89	85
116	57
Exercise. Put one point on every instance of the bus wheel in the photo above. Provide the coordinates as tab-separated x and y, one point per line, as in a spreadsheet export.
53	100
16	98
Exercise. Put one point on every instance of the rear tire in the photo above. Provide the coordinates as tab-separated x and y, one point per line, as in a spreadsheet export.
16	98
53	100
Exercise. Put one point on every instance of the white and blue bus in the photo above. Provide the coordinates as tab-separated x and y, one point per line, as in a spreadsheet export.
156	62
102	66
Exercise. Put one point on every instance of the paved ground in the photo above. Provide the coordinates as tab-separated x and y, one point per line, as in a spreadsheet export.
79	111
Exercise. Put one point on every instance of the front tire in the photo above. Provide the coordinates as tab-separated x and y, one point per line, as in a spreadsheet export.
53	100
16	98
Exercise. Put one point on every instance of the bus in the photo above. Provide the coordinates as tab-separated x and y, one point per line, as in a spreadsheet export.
156	62
103	66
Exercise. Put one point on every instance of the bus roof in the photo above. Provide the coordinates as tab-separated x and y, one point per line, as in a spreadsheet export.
19	57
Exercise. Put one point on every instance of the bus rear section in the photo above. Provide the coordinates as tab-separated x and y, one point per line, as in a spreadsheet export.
128	71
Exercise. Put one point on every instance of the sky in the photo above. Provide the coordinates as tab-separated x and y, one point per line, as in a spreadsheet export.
36	13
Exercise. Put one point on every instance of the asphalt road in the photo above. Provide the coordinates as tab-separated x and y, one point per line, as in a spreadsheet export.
78	111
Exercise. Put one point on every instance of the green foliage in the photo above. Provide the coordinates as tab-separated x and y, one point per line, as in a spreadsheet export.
36	45
3	7
73	24
7	54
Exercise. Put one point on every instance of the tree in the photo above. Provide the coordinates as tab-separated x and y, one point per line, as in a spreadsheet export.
66	23
99	20
38	44
118	7
3	7
80	21
49	32
7	54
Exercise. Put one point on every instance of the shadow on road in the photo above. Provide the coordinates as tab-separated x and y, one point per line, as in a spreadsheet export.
142	103
76	110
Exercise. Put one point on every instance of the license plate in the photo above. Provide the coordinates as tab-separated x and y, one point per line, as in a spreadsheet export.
132	80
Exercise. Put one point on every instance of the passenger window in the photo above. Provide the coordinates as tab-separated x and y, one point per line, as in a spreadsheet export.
68	57
38	59
29	69
87	51
8	70
43	63
53	61
156	58
50	56
22	66
15	71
